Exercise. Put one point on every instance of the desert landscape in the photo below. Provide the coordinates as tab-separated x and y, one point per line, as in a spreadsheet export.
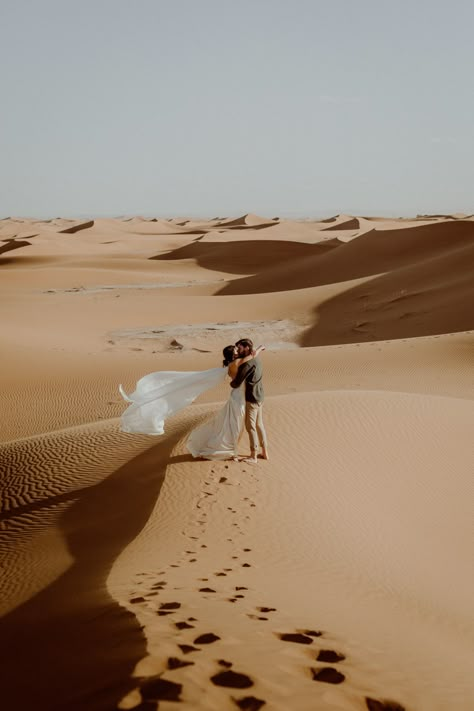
335	576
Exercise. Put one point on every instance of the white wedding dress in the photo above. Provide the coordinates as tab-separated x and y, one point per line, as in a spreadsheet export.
159	395
218	437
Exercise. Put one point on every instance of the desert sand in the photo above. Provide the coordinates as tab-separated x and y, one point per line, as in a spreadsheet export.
336	576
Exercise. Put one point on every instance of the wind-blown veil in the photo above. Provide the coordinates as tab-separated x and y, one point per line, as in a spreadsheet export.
159	395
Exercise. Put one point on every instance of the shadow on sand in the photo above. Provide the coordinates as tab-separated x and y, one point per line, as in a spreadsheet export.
242	257
72	646
11	244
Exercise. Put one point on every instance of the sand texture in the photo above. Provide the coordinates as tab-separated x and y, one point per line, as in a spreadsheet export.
337	576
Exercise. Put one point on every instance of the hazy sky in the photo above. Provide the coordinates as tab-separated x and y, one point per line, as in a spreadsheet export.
219	107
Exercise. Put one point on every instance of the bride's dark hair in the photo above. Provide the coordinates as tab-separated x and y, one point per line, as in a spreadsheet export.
228	354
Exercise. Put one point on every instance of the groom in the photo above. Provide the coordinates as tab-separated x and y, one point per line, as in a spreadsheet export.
252	372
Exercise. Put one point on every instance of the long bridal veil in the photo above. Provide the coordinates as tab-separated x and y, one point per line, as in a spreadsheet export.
159	395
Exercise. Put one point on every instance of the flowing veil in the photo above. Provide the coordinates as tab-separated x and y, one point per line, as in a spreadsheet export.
159	395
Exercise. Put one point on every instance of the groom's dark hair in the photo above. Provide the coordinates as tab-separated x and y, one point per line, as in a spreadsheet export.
246	343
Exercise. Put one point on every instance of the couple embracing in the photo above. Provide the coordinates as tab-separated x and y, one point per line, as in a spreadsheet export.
159	395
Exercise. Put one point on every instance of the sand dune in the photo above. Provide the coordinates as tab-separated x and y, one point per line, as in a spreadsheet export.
284	230
344	223
372	253
162	227
248	220
337	575
254	255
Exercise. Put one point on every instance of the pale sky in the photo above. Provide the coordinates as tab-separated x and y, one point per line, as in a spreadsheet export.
296	108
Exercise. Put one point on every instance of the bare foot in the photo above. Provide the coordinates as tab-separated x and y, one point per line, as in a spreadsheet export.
250	460
264	454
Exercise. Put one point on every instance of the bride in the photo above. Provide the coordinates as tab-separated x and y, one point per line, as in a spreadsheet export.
159	395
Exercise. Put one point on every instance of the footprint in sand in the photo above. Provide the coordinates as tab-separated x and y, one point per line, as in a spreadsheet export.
175	663
330	656
207	638
295	637
312	633
183	626
249	703
168	608
158	689
188	648
374	705
232	679
328	675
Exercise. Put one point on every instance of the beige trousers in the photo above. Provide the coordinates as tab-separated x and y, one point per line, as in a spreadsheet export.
254	425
